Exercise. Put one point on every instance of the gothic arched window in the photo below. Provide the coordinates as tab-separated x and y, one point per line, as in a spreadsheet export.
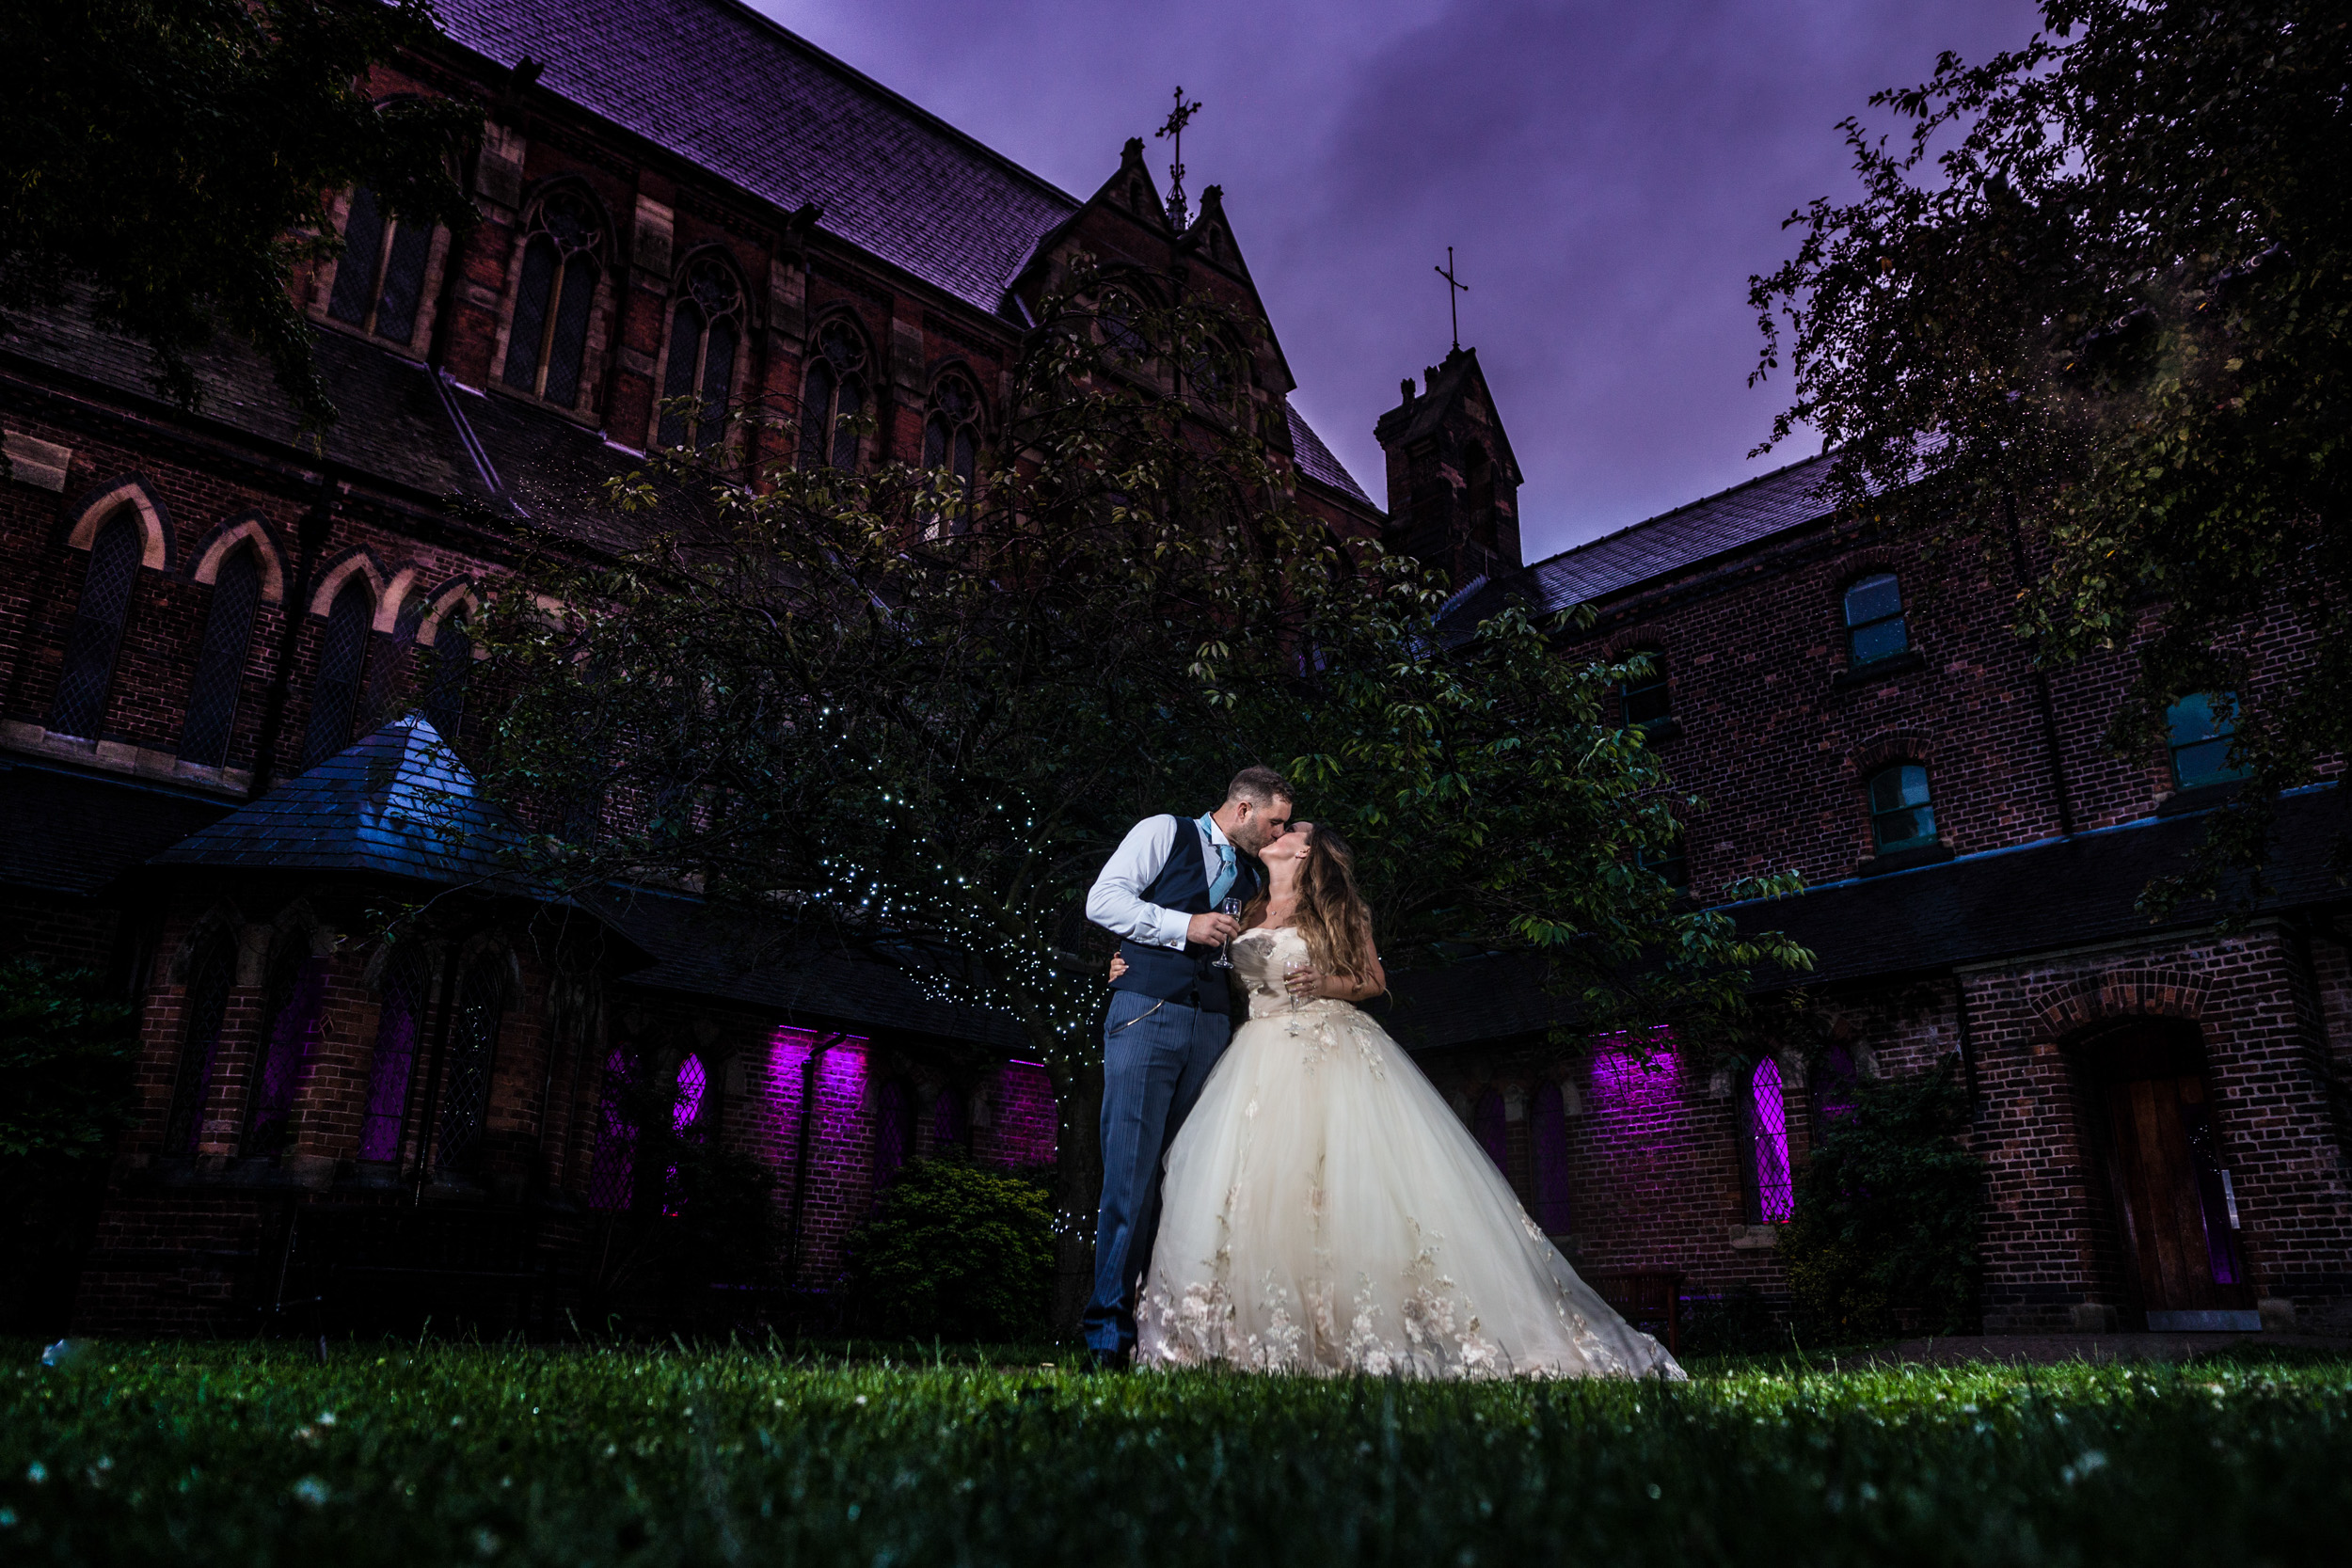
220	659
95	637
548	343
705	325
1116	317
831	396
1549	1131
380	282
473	1052
206	1001
400	1024
951	1128
952	440
1491	1124
342	660
1771	1196
452	671
687	1104
296	1007
1874	620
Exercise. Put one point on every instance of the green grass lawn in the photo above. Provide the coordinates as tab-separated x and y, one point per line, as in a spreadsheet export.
437	1454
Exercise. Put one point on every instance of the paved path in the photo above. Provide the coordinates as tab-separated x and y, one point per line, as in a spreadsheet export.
2044	1349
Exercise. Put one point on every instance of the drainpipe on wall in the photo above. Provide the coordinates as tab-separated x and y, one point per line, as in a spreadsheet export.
801	1156
2040	685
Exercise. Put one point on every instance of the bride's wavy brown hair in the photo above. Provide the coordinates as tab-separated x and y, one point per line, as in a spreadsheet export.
1332	914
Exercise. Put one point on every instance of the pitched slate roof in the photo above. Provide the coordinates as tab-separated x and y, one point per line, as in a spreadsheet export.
1689	534
66	831
1315	459
397	804
698	953
722	85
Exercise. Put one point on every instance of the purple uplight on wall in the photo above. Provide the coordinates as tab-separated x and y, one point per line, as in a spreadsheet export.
1025	1114
612	1175
294	1039
1637	1076
388	1074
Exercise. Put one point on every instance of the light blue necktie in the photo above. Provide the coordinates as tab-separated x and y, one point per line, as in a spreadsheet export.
1227	870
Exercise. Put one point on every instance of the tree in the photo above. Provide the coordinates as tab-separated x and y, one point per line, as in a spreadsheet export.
66	1053
176	158
884	709
2101	294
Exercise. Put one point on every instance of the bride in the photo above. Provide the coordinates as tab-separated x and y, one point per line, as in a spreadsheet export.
1325	1211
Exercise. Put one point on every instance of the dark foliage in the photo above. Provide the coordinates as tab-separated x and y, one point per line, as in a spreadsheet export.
1740	1321
1888	1209
177	158
67	1048
956	1253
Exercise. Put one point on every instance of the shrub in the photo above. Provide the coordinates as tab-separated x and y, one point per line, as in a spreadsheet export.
1739	1322
1884	1234
957	1253
66	1054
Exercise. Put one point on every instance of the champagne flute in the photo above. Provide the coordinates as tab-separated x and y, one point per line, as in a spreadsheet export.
1291	971
1224	958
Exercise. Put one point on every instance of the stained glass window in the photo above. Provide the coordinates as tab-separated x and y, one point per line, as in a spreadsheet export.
473	1052
1902	815
400	1022
96	635
952	440
549	340
377	245
2200	728
1549	1134
831	396
1770	1191
220	659
705	325
342	660
298	998
210	978
613	1171
1874	620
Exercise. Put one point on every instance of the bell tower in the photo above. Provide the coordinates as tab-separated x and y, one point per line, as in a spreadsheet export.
1453	481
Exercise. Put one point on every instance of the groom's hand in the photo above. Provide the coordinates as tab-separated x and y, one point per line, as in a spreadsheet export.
1214	929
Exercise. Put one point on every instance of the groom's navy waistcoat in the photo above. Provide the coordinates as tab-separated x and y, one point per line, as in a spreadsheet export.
1182	885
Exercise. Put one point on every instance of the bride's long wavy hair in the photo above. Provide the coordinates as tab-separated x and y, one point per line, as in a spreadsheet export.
1332	914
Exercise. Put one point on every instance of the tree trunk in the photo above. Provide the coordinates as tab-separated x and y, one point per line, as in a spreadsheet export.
1077	1187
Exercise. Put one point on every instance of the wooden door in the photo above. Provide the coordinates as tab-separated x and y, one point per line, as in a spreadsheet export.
2179	1209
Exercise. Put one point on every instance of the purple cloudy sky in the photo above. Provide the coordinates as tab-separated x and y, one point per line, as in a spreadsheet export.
1608	173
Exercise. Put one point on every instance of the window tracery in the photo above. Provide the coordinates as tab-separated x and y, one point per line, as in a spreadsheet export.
379	284
547	344
831	396
472	1052
342	660
1771	1195
705	328
952	440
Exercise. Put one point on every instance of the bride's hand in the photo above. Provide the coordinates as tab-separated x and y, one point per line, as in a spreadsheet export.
1305	984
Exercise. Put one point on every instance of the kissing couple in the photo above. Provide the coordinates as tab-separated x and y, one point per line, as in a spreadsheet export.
1292	1194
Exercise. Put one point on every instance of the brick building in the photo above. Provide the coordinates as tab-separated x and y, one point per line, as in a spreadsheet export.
228	661
2160	1105
231	670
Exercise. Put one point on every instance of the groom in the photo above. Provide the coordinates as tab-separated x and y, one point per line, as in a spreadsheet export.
1168	1015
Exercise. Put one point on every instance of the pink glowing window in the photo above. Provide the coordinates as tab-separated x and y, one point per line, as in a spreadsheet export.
1487	1122
1551	1138
1771	1196
686	1115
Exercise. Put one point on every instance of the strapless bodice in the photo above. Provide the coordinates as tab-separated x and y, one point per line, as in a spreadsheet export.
1259	959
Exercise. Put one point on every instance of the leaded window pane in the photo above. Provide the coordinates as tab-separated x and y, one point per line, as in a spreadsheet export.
613	1172
452	671
718	379
93	640
400	1022
299	989
404	282
473	1038
686	343
220	659
342	660
815	414
850	399
363	251
567	344
531	298
1768	1146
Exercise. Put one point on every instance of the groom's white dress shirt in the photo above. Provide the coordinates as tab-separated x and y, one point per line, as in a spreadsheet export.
1116	901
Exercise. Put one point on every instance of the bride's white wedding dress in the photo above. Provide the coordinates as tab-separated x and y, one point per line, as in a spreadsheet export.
1324	1210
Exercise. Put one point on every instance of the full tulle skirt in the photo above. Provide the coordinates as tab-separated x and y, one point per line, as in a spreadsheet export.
1324	1210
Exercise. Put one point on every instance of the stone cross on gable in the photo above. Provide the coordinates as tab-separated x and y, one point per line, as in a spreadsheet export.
1177	119
1454	289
